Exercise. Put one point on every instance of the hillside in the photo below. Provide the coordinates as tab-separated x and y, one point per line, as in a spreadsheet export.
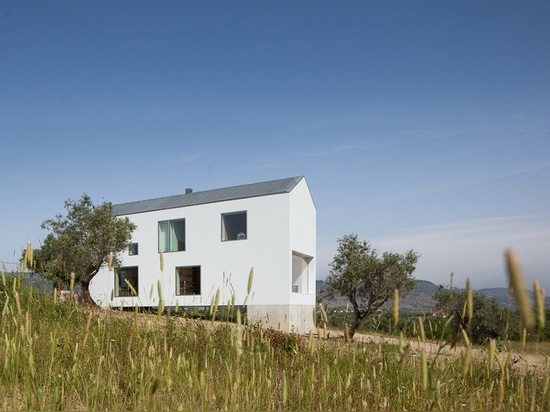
421	298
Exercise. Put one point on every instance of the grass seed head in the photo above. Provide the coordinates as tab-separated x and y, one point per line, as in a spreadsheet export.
323	313
161	302
214	304
250	281
134	292
424	370
469	300
421	327
492	352
395	307
539	304
517	287
18	302
28	259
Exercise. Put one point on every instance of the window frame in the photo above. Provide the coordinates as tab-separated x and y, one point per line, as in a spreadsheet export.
237	233
196	277
300	279
121	285
133	249
170	235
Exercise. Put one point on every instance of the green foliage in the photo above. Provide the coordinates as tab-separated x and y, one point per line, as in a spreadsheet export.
80	242
436	327
545	333
367	279
489	320
223	312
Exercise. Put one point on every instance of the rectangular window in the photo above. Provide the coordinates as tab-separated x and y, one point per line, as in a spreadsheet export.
300	272
172	235
234	226
188	280
133	249
123	276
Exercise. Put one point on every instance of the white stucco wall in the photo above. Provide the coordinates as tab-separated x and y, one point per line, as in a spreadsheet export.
276	225
303	223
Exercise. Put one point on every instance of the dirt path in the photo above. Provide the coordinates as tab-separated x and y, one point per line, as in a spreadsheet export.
528	361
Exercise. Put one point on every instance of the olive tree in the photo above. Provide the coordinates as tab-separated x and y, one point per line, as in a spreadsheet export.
489	321
81	242
367	279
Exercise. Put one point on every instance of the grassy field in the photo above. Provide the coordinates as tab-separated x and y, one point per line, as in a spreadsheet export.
59	356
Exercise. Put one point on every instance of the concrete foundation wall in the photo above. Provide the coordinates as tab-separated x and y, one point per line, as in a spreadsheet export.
286	318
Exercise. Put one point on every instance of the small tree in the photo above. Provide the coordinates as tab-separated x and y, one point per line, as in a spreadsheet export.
81	242
367	280
45	264
489	320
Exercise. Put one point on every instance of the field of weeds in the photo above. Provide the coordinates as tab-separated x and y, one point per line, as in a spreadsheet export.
60	356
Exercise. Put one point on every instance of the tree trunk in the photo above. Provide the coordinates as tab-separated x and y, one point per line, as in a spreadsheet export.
356	323
86	297
357	318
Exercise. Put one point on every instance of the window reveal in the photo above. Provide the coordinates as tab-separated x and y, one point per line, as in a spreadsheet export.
234	226
188	280
124	278
172	235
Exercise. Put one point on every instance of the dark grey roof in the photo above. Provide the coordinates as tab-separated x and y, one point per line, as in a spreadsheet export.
208	196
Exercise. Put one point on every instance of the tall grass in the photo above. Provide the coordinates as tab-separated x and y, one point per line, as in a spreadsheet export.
64	357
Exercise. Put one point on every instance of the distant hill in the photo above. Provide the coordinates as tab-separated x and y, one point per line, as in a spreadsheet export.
421	298
502	295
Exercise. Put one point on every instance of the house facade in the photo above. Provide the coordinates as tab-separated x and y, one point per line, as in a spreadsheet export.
210	241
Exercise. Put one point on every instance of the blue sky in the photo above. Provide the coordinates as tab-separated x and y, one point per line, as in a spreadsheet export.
419	125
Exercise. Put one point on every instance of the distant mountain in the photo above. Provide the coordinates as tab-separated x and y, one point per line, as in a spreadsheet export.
502	295
421	298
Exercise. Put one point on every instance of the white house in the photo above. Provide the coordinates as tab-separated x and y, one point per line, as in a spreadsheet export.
210	241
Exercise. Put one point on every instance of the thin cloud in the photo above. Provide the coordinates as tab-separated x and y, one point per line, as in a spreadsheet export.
338	149
490	177
184	159
403	137
265	165
475	248
443	187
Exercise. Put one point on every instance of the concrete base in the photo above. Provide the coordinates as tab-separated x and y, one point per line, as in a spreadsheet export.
286	318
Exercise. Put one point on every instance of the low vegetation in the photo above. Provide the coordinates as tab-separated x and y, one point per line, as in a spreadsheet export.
491	321
60	356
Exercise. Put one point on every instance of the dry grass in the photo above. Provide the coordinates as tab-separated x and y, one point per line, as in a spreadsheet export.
60	356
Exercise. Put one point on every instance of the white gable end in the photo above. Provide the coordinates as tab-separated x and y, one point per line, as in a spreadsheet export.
213	246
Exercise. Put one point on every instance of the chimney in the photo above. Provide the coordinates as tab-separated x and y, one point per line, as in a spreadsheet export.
188	190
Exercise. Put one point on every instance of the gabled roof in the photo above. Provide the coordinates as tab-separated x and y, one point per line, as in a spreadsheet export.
271	187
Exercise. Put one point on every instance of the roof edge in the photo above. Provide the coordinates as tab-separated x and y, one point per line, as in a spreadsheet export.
250	190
